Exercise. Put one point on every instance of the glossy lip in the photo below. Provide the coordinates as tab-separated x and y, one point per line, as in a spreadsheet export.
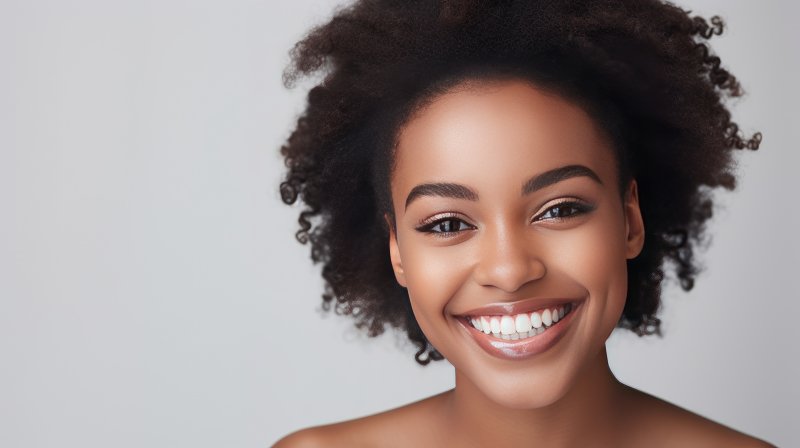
522	348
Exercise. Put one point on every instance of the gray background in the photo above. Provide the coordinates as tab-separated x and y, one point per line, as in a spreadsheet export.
151	290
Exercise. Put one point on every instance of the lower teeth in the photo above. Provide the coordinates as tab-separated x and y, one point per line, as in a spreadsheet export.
515	336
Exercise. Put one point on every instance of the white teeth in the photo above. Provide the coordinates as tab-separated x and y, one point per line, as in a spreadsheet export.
520	326
536	320
507	325
547	319
485	326
522	323
495	324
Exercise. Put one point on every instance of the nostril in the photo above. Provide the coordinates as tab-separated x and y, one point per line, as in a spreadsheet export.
509	274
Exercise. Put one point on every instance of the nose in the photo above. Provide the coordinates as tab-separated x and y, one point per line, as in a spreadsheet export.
508	259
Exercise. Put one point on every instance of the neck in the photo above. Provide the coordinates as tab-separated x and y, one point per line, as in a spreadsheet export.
586	415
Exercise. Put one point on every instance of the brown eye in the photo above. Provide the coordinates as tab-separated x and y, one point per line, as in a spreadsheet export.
448	225
565	210
445	227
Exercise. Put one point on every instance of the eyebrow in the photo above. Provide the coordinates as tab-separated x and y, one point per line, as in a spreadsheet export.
537	182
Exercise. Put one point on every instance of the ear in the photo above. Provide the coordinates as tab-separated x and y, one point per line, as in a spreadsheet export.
634	225
394	253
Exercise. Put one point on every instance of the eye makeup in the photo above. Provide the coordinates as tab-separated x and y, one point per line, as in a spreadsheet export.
560	211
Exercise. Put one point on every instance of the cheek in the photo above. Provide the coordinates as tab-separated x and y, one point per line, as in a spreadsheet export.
594	257
434	274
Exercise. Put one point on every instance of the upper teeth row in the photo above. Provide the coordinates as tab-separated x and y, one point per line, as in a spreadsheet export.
519	324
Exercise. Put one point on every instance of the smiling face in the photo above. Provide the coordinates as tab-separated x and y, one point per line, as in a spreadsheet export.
507	204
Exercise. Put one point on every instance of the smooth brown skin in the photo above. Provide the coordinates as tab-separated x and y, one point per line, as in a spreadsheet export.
492	137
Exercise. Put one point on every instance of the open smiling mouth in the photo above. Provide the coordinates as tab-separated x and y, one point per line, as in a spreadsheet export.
522	325
521	335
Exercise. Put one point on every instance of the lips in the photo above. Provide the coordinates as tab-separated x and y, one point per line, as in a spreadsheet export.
527	346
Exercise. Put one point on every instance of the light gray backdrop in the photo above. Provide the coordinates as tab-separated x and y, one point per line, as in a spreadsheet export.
151	290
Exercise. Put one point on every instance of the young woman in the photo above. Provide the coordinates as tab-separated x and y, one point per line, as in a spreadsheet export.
508	181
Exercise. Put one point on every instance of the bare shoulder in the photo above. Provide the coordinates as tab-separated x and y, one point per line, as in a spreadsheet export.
660	423
304	438
386	429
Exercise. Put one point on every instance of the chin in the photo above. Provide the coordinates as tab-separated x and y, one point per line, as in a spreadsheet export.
527	392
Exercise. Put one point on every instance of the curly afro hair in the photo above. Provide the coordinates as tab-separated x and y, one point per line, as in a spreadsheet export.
641	68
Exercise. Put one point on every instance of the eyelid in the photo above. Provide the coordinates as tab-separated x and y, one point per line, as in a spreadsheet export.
426	225
582	206
438	217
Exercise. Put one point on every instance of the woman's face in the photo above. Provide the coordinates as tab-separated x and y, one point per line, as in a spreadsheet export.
509	214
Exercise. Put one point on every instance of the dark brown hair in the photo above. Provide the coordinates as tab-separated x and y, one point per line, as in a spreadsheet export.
641	68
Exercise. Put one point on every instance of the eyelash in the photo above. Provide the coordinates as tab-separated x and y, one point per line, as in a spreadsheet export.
579	208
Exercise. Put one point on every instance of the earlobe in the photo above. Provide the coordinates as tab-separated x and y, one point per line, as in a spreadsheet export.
634	224
394	254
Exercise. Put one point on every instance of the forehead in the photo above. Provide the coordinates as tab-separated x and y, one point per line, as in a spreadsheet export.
496	133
